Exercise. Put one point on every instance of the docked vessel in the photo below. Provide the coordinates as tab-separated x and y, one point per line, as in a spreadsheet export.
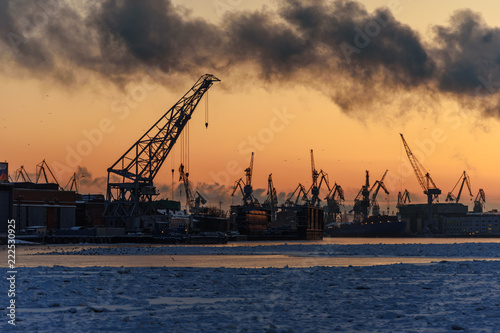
373	226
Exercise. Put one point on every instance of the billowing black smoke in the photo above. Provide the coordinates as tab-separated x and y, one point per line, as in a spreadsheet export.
359	59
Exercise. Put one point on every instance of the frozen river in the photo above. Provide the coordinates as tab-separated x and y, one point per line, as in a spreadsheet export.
330	252
397	285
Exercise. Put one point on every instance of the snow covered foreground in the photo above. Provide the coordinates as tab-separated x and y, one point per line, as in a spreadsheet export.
439	297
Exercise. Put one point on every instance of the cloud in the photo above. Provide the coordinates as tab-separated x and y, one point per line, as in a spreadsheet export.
360	59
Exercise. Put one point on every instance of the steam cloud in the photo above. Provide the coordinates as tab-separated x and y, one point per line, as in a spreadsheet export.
357	58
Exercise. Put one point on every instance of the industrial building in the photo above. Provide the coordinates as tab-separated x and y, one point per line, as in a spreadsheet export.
472	224
416	216
32	204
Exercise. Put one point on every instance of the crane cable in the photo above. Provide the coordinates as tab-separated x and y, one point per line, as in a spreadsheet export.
206	109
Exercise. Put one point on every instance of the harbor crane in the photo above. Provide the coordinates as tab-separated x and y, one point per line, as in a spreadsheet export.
130	189
193	202
403	198
22	174
362	201
479	201
272	198
41	170
300	189
315	187
334	200
464	178
246	187
72	183
379	184
426	182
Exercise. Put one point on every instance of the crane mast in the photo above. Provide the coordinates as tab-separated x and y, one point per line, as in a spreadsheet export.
130	187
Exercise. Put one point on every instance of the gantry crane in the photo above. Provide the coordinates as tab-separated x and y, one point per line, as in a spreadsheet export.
193	202
465	180
426	182
479	201
271	198
334	200
379	184
315	187
130	187
246	187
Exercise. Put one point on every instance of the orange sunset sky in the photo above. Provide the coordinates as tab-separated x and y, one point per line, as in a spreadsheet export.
83	114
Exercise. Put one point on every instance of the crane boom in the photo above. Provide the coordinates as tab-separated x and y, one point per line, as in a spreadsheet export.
140	164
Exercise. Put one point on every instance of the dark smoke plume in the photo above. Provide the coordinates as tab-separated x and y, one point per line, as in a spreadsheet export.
361	60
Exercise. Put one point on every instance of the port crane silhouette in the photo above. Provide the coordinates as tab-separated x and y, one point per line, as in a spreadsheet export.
246	187
130	189
465	181
426	182
315	187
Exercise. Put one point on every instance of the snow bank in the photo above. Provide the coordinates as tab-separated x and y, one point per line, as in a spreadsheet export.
438	297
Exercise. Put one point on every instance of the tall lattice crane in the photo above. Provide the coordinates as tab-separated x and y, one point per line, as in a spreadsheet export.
426	182
246	187
130	187
465	180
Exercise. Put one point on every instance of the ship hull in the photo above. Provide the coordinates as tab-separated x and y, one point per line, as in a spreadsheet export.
380	227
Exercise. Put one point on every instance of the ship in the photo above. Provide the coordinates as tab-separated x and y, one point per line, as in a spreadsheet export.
372	226
363	224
